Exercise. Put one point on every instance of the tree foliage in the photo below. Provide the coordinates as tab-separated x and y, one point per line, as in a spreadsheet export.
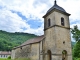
76	50
76	35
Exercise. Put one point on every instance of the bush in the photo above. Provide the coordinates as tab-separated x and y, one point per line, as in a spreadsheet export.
9	57
76	59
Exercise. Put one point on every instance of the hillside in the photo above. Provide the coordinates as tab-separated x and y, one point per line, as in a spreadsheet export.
9	40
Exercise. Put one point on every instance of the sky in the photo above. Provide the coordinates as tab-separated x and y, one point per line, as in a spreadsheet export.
26	15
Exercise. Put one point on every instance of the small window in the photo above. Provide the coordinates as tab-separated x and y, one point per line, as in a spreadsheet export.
49	22
64	55
1	55
62	21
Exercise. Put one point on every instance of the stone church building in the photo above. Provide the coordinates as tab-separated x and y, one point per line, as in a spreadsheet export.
55	44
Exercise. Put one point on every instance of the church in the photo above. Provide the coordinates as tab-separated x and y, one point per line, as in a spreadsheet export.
55	44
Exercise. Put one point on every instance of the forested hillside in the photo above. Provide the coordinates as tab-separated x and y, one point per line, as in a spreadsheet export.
9	40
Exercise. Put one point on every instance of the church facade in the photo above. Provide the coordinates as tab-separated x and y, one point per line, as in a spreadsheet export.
56	42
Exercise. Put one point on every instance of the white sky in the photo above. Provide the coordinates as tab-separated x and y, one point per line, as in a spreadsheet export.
34	10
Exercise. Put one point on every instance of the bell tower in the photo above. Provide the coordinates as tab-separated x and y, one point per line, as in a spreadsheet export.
57	43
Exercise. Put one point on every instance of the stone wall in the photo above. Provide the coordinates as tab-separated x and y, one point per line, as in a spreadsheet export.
35	51
57	37
21	52
28	51
13	54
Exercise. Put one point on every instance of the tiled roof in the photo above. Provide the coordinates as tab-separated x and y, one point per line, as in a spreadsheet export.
31	41
5	53
34	40
57	8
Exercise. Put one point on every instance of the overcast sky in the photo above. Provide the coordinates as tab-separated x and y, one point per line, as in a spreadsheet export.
26	15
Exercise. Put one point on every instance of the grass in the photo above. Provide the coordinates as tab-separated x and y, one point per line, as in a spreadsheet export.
4	59
23	59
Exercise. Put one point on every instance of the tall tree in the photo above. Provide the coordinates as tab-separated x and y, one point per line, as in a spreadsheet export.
76	33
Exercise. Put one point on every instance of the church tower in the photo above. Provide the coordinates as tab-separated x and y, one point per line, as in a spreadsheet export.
57	43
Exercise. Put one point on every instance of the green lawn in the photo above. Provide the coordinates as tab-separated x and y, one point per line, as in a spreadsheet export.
4	59
15	59
22	59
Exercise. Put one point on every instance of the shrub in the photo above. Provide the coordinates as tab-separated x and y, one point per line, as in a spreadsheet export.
9	57
76	59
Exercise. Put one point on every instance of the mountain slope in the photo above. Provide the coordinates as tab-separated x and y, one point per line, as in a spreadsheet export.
9	40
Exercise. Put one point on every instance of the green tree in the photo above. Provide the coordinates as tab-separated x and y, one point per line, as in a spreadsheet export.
76	33
76	49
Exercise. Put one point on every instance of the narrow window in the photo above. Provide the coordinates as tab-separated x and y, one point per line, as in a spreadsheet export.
49	55
49	22
62	21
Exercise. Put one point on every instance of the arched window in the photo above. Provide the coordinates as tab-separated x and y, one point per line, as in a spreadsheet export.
49	55
49	22
62	21
64	55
